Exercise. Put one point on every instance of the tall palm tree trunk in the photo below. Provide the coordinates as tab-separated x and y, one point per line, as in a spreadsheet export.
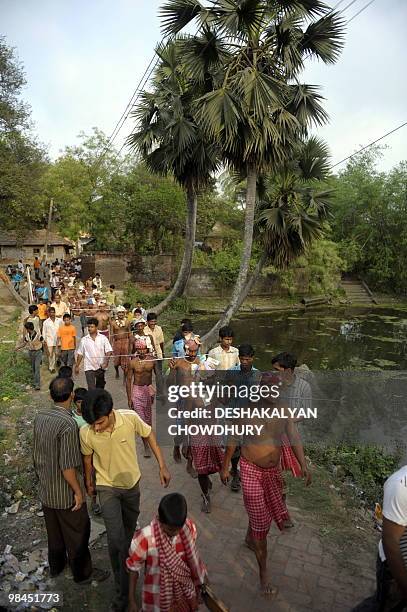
186	264
252	280
235	300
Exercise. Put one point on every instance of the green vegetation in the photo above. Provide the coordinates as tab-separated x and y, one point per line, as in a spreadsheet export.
15	370
364	466
369	221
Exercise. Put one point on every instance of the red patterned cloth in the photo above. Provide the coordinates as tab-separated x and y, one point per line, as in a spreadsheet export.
173	570
207	458
288	461
105	332
121	350
142	397
263	497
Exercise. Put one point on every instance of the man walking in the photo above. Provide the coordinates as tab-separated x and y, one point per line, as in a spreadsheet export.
67	340
94	350
262	482
140	392
54	284
108	444
225	354
156	332
58	466
49	332
60	307
244	374
32	340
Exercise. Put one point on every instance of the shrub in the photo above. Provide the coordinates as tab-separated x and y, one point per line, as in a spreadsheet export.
365	466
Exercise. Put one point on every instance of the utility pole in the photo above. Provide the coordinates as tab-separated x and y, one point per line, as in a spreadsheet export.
51	207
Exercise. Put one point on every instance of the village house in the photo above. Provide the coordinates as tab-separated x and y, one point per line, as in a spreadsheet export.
13	248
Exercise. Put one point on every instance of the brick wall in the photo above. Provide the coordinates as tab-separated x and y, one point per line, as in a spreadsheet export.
118	268
201	283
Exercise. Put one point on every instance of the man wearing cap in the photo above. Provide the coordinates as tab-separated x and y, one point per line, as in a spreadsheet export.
137	328
120	334
139	378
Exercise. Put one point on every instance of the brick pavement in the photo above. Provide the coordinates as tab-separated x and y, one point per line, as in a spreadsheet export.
307	575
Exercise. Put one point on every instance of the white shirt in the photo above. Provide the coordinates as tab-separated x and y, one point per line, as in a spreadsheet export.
227	359
94	351
98	282
49	331
54	282
395	507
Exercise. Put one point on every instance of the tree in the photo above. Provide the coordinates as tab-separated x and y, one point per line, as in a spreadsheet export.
170	141
370	221
292	210
249	54
22	159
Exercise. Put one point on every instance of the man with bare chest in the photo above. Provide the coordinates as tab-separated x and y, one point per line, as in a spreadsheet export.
102	315
140	392
183	370
120	334
261	480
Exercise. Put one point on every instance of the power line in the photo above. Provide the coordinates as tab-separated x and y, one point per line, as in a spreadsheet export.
127	111
361	10
369	145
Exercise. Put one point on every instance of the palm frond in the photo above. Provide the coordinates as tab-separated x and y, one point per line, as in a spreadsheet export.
240	18
176	14
324	39
220	115
313	159
305	105
310	8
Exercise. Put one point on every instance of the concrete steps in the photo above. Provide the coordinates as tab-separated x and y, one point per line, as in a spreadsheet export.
355	292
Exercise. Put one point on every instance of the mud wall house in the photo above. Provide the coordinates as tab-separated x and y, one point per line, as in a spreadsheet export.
14	247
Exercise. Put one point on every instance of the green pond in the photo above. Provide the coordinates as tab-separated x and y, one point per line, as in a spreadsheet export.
358	359
328	338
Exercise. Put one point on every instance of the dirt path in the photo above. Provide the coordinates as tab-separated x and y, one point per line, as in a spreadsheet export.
304	564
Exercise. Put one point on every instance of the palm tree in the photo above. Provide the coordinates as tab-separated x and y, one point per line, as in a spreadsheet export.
255	108
171	142
292	209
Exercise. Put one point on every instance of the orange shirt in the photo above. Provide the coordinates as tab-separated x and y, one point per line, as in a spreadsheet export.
42	311
67	333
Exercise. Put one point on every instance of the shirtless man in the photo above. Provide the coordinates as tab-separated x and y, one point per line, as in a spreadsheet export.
102	315
140	392
183	370
261	480
120	334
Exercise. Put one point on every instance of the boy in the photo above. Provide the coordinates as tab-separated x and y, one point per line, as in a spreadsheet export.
78	397
66	342
166	550
65	372
225	354
42	311
32	340
187	333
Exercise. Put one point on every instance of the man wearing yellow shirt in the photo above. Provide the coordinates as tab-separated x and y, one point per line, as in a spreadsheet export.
109	443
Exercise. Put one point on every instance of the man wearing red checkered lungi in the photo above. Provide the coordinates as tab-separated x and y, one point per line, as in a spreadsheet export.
261	480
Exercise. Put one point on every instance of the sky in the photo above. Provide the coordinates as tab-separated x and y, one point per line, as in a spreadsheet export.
83	60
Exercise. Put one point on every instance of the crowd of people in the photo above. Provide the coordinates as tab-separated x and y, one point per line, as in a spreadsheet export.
84	444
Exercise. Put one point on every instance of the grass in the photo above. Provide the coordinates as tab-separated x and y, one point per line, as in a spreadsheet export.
15	370
345	529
